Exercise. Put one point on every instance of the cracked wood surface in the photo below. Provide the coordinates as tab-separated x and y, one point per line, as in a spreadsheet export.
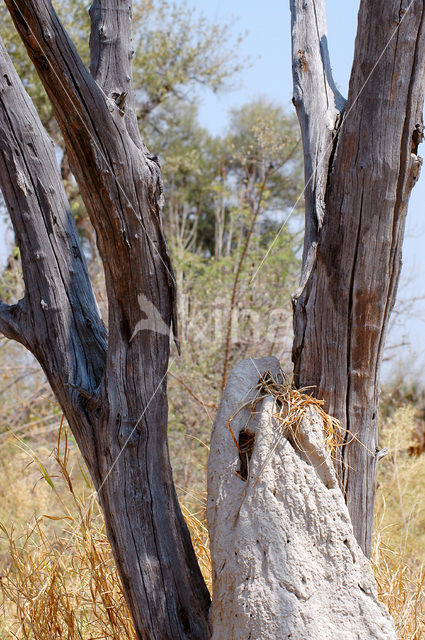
57	320
114	394
348	288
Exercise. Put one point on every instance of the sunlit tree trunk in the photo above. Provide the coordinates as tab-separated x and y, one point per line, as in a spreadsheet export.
361	163
111	385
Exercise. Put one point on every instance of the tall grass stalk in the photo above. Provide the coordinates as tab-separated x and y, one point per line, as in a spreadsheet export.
58	577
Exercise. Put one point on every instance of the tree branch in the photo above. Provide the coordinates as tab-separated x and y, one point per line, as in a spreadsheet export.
126	414
58	319
120	185
111	55
318	104
341	315
12	325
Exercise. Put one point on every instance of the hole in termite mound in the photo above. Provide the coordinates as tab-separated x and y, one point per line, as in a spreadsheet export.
246	443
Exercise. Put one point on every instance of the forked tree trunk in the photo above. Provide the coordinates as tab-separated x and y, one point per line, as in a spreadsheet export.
112	387
360	166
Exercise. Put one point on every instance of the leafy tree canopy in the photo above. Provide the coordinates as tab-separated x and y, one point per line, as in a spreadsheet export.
175	49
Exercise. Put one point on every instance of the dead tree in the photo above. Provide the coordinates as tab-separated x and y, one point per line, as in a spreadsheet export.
111	385
361	163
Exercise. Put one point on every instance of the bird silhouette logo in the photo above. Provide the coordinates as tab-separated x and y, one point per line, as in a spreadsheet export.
153	321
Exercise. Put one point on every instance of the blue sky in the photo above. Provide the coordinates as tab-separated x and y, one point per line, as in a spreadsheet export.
267	43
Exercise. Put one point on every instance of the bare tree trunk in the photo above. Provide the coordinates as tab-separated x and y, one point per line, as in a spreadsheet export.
114	394
360	167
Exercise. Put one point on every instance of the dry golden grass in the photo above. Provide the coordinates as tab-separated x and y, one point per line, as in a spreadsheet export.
290	407
58	576
293	404
399	538
401	587
61	582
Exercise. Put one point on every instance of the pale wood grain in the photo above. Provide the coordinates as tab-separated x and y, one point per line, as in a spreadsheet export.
349	284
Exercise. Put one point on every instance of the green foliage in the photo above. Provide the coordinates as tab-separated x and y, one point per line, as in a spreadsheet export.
11	282
189	156
25	67
264	139
214	184
217	189
75	18
177	49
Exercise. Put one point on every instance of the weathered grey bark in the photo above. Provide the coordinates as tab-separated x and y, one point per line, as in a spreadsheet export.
114	394
360	167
